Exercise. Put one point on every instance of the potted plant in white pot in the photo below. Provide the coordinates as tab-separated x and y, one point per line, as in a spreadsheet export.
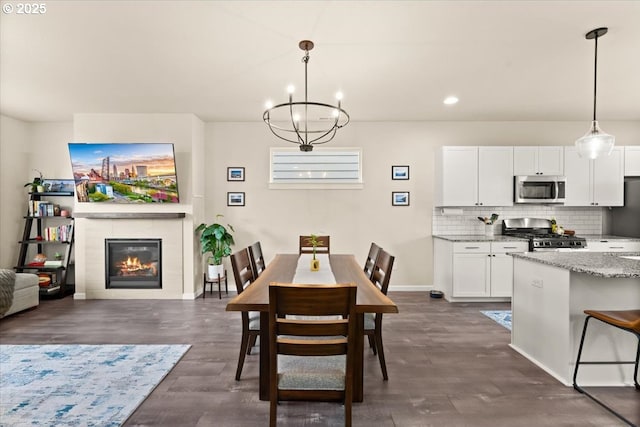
216	240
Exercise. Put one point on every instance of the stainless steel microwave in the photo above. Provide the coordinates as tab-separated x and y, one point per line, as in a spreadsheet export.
539	189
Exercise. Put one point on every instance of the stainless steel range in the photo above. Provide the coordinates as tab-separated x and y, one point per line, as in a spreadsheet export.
538	232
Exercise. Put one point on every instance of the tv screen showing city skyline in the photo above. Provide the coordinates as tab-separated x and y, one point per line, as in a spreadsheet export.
124	172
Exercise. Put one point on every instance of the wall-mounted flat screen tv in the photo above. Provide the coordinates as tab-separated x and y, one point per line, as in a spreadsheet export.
124	172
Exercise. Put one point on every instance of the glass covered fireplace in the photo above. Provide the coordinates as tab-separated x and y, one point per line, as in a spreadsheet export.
133	263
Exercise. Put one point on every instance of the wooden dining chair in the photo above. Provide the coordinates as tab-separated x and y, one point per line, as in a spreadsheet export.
311	358
373	321
371	259
323	247
257	259
243	275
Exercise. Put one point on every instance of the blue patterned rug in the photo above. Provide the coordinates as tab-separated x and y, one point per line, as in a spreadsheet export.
503	317
79	385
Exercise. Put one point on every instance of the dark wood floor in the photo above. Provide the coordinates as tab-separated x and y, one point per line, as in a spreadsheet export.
448	366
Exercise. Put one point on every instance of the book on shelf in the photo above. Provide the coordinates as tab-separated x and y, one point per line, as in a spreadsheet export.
49	289
53	263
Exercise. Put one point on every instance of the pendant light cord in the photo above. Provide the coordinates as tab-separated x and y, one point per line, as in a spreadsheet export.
595	79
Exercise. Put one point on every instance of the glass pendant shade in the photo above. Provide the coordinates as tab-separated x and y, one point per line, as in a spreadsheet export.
595	143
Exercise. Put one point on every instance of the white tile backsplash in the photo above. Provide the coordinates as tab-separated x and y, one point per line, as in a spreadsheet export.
584	220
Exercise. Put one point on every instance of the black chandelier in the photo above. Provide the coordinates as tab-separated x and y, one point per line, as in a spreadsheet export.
303	122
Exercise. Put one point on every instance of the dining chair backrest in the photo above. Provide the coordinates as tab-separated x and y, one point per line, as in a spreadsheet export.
295	330
323	246
242	270
257	259
382	270
371	259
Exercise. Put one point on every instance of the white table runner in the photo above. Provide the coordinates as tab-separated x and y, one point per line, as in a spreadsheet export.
304	275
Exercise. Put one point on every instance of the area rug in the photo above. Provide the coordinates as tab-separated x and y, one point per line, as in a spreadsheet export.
79	385
503	317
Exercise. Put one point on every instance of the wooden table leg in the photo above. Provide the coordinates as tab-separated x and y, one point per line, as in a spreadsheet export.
264	355
358	377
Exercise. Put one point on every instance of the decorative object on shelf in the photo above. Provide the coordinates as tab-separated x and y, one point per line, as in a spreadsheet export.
305	123
235	174
215	239
58	185
313	241
36	186
400	172
595	142
235	199
400	198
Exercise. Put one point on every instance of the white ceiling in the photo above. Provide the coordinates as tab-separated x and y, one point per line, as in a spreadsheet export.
394	60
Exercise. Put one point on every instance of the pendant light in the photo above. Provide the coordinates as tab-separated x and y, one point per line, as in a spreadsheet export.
595	143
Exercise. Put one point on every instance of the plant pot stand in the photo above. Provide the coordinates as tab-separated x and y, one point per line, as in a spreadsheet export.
215	280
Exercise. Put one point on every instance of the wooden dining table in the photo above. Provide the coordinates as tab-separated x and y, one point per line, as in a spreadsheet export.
282	269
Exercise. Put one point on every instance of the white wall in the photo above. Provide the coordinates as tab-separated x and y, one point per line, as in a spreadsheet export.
354	218
15	151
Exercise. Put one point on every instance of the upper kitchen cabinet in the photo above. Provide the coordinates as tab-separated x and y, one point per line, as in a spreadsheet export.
474	176
598	182
632	160
544	160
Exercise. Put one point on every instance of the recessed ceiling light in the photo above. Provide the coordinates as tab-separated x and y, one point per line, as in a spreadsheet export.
450	100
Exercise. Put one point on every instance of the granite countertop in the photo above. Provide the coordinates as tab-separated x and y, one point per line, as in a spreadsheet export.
602	264
608	237
479	238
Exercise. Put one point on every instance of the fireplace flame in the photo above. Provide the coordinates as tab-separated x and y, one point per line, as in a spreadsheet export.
133	267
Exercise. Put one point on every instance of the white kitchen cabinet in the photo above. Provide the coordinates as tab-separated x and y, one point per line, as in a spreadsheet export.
613	245
474	176
501	282
632	160
471	269
543	160
598	182
475	271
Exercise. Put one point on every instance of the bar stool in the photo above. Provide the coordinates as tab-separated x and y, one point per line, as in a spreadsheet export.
212	281
627	320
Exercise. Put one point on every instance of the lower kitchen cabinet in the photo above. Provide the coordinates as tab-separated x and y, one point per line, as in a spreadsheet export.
613	245
475	271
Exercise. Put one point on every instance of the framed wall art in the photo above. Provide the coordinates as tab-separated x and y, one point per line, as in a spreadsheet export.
235	199
235	174
400	172
400	198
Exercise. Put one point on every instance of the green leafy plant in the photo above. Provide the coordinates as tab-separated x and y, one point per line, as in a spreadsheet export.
216	240
314	242
38	180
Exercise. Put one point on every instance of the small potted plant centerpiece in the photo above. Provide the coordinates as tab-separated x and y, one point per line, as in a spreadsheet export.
215	239
314	242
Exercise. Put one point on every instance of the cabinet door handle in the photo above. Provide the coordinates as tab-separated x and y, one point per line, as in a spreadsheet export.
616	247
472	247
511	247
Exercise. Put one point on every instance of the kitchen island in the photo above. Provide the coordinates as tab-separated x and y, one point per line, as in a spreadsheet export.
550	292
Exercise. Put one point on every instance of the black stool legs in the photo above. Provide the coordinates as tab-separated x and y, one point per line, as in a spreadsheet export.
578	363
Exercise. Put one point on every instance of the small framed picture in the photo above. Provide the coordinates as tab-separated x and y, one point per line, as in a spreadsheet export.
235	174
400	172
235	199
400	198
58	185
